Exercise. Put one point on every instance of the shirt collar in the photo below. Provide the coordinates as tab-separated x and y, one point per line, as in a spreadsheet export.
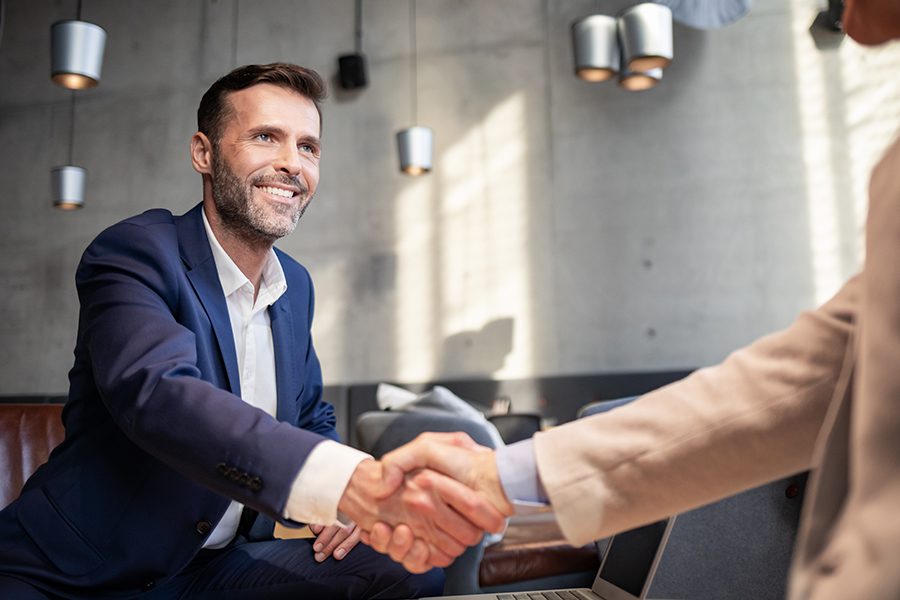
273	283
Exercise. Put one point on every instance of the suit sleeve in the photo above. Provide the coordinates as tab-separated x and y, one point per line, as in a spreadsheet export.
751	419
144	364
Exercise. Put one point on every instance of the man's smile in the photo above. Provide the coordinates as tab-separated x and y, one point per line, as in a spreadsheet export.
278	191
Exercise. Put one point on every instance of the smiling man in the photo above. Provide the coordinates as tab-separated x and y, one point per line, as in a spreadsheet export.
195	417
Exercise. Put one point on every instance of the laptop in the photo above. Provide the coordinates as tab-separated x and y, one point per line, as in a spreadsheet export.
625	573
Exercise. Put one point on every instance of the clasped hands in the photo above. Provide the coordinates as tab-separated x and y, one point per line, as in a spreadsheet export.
424	503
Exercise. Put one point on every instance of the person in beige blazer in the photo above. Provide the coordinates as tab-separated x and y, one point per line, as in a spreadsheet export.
823	394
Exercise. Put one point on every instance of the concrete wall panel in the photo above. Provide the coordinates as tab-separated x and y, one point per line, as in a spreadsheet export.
566	227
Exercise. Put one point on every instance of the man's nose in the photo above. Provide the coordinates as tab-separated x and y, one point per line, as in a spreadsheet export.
288	160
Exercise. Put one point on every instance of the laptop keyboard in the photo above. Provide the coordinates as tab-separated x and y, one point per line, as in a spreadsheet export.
560	595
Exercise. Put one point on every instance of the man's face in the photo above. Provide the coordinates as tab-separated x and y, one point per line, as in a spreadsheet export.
265	165
872	21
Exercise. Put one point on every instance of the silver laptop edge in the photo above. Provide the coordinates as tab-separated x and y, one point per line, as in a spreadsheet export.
602	588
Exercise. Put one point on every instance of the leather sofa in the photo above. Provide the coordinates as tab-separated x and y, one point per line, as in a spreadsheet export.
28	432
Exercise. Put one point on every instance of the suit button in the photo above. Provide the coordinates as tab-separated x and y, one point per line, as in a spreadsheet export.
792	491
149	585
255	484
222	469
203	527
235	475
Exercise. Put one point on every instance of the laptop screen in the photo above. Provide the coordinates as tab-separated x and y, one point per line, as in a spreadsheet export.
630	557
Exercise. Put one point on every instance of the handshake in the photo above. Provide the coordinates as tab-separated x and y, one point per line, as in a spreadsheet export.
424	503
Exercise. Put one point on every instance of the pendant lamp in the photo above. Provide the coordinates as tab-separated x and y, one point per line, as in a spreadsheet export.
414	143
646	36
68	180
596	46
76	53
414	147
68	187
352	67
638	81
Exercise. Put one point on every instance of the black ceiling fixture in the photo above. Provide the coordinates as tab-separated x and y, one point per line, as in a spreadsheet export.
832	17
352	67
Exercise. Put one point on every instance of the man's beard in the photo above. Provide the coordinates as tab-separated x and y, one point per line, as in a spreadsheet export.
249	220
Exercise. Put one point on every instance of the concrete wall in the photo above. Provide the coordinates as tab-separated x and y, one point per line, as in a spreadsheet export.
566	228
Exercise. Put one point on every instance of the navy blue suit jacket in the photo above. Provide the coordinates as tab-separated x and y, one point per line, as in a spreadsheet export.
158	440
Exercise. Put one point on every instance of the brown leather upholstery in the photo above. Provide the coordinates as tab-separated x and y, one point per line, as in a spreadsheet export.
28	432
531	549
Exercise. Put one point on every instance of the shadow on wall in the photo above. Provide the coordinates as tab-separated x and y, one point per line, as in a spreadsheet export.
480	352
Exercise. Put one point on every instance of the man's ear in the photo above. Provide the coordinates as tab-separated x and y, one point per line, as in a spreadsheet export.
201	153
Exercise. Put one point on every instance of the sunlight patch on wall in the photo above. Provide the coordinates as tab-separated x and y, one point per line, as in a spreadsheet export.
841	141
484	271
330	323
415	329
873	98
820	180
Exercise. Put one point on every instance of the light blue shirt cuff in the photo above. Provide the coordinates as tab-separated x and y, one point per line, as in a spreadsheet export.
518	473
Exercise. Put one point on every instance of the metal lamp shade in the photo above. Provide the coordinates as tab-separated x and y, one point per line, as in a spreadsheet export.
646	34
414	147
68	187
638	81
76	54
596	47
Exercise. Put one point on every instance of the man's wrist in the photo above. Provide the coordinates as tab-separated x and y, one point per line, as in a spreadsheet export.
318	487
359	496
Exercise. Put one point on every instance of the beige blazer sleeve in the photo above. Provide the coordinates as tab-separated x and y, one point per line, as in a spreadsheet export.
751	419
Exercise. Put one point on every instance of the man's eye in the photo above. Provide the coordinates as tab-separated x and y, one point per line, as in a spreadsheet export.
308	148
264	137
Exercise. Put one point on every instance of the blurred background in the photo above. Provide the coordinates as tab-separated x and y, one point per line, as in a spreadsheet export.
566	227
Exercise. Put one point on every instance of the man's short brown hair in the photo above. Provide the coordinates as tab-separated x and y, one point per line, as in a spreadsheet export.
214	106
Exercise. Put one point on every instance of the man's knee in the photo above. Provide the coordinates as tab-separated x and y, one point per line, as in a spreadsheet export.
388	580
430	583
397	582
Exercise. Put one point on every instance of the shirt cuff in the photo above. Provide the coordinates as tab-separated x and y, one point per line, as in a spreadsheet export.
321	482
518	472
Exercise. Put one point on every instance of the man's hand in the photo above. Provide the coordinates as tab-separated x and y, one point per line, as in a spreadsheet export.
454	454
334	540
444	515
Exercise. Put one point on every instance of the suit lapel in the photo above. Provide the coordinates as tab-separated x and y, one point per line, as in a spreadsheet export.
282	338
202	273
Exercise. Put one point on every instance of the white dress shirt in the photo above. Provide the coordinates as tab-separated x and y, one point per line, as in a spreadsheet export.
324	476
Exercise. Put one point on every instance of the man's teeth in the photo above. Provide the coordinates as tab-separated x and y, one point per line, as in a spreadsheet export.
277	191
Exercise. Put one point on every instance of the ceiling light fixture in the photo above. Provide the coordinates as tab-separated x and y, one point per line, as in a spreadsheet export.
414	144
76	53
596	46
646	35
68	180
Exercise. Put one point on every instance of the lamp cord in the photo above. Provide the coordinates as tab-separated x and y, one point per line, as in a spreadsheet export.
234	34
71	126
413	59
2	19
358	32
